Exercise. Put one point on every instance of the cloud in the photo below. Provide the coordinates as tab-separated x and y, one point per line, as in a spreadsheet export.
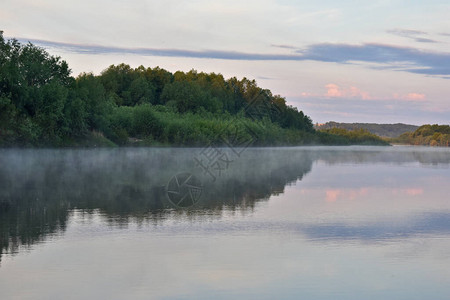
408	191
425	40
406	32
391	57
284	46
412	34
411	97
335	91
413	60
208	54
322	109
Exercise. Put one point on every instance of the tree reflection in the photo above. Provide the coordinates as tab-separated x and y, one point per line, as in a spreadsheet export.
40	188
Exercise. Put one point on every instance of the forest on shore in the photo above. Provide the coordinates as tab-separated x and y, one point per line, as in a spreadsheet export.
382	130
426	135
42	105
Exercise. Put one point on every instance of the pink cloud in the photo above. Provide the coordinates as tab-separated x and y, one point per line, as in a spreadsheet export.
335	91
415	96
414	192
408	191
352	92
305	94
410	97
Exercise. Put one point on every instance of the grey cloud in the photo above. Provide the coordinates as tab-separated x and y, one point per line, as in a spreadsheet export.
412	34
421	62
265	78
406	32
211	54
414	60
425	40
284	46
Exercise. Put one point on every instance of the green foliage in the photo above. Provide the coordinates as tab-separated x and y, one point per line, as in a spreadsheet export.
33	90
189	97
145	122
383	130
90	91
42	105
128	86
76	116
345	137
8	112
431	135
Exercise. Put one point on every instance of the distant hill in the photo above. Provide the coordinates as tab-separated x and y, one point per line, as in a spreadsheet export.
384	130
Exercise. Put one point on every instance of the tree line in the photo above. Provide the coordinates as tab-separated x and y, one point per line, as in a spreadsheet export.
427	135
41	104
382	130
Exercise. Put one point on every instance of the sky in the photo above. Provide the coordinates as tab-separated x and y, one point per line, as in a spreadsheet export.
380	61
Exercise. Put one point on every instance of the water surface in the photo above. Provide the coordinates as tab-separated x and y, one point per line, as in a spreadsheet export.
284	223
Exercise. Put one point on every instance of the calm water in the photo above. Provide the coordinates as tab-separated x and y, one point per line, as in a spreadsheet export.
273	223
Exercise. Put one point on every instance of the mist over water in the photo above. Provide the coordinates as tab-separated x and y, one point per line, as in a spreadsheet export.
317	222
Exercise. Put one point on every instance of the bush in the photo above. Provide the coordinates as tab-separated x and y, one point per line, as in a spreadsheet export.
145	122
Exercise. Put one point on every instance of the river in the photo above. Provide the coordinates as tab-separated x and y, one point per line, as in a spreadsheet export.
201	223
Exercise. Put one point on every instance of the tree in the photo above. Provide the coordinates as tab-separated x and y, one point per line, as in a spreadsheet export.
188	96
34	86
41	104
159	78
141	91
90	90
